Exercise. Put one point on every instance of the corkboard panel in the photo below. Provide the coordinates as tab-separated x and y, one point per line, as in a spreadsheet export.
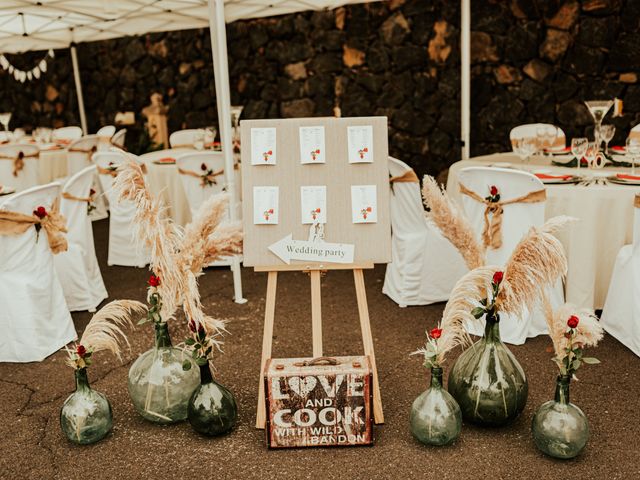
372	240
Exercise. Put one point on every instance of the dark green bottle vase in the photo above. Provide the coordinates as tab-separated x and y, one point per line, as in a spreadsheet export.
559	428
212	409
158	385
487	381
85	416
435	416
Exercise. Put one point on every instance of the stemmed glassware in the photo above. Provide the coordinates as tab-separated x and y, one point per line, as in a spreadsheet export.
633	149
579	148
5	118
236	111
591	154
598	109
198	139
546	135
209	137
524	147
607	132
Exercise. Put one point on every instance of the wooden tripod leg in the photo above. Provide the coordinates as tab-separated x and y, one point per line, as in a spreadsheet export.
267	341
367	340
316	313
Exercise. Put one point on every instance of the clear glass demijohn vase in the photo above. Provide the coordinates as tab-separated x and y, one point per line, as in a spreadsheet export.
487	381
158	385
212	407
560	429
435	415
85	416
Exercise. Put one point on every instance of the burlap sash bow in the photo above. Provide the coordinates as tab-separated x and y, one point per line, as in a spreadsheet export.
114	171
636	201
492	232
18	161
407	177
87	151
70	196
14	223
204	179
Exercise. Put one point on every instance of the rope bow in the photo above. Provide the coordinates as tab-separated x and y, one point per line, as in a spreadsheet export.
492	232
18	161
53	223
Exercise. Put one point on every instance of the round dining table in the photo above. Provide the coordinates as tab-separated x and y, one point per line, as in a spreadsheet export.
605	213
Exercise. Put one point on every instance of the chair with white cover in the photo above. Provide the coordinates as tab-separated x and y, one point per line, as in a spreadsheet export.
621	311
34	318
424	264
517	219
183	138
79	153
19	166
530	130
78	268
192	167
107	131
123	248
118	138
66	133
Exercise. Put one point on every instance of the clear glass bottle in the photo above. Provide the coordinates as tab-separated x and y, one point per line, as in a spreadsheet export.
86	415
435	416
487	381
212	408
158	385
560	429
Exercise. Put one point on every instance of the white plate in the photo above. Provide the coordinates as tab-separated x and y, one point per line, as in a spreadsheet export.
622	181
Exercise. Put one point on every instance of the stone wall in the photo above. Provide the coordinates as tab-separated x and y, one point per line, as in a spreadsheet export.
532	61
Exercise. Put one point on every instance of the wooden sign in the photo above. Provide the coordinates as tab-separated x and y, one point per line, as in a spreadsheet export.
300	170
319	403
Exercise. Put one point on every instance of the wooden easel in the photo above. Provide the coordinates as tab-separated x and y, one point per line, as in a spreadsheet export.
315	271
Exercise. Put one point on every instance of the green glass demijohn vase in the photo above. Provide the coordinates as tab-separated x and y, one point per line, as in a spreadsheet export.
86	415
560	429
487	381
158	385
212	408
435	415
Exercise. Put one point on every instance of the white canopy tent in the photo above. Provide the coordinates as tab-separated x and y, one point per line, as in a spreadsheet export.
50	24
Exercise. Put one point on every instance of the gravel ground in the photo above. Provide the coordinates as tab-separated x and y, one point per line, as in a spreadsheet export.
31	396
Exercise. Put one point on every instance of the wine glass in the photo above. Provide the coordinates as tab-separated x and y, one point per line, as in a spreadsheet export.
579	147
209	137
5	118
546	135
525	147
607	132
591	153
598	109
633	149
198	139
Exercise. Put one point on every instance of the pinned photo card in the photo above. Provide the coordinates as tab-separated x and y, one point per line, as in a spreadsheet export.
360	143
314	204
263	146
312	145
364	204
265	205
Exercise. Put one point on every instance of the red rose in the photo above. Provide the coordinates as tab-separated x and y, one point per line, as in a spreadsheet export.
497	277
192	326
40	212
318	150
81	351
573	321
365	149
270	152
435	333
317	210
493	190
368	209
92	192
203	167
270	210
154	281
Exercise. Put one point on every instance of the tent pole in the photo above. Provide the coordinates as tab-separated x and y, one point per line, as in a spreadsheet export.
76	77
218	33
465	76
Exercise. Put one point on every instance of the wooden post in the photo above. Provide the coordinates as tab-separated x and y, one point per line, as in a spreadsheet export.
267	341
367	340
316	313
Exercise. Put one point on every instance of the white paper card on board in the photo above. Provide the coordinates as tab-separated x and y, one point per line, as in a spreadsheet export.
364	204
265	205
313	204
263	146
360	143
312	145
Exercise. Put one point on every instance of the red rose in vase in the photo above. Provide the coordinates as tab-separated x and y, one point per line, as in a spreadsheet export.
497	277
81	351
435	333
154	281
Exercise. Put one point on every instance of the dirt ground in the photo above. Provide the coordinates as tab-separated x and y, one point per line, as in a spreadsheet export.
32	444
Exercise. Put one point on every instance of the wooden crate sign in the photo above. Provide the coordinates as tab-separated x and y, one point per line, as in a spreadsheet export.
319	403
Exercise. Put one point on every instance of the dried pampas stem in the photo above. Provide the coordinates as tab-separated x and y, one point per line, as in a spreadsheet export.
587	334
452	223
535	264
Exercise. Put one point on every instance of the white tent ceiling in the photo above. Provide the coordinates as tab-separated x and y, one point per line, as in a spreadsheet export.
43	24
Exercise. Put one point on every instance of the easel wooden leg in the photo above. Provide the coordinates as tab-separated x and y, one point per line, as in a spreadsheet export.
316	313
367	340
267	340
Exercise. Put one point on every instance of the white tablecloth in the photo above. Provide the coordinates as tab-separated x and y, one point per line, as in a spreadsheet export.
52	165
605	214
